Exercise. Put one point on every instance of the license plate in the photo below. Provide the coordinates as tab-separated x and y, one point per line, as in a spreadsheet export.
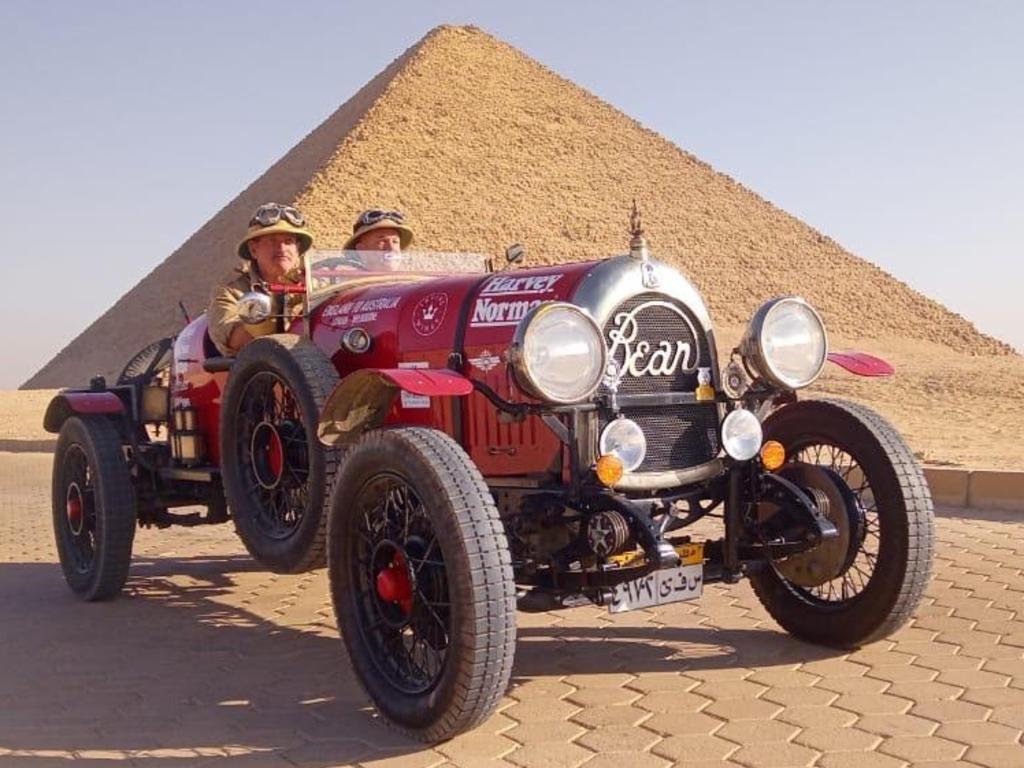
670	585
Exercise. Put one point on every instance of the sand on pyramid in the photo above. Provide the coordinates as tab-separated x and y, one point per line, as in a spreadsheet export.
482	146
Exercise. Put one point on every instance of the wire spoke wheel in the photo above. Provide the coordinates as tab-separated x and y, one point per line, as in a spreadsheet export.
80	508
861	506
93	508
273	449
421	581
276	474
401	584
880	503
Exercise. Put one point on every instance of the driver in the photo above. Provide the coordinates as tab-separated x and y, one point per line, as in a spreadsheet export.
272	251
380	237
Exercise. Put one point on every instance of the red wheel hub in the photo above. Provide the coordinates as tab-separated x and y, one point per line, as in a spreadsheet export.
267	454
73	509
275	455
394	585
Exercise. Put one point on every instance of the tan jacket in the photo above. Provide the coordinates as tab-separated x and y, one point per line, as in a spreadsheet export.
222	314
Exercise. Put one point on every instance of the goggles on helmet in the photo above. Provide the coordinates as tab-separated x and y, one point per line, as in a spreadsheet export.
369	218
271	213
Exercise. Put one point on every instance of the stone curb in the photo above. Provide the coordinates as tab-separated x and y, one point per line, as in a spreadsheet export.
28	446
954	487
979	488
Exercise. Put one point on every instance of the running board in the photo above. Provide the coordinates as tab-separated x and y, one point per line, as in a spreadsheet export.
193	474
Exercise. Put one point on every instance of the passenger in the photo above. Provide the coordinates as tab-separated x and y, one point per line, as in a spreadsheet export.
272	253
380	236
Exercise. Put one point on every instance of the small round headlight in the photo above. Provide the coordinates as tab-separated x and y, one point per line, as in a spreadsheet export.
558	354
786	343
625	439
742	434
254	307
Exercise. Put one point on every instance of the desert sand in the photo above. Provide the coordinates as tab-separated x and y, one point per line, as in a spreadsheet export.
21	416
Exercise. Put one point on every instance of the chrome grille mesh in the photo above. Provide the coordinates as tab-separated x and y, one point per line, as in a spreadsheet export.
678	436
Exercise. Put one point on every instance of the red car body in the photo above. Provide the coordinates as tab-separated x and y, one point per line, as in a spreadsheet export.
398	431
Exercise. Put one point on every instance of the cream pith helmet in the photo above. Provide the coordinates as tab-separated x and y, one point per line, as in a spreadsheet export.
273	218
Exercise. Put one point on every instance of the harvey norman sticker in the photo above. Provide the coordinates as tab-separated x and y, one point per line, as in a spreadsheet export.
496	306
509	284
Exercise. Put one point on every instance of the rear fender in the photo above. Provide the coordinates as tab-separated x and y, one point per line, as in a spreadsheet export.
362	399
861	363
68	404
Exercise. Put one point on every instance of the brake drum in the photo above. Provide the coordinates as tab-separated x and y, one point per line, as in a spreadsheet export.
835	500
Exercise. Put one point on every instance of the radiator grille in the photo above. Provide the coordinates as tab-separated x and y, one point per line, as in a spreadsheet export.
678	436
659	338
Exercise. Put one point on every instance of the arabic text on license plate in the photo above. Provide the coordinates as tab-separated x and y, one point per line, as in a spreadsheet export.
659	587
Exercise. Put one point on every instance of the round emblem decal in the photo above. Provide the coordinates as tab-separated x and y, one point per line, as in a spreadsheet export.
429	312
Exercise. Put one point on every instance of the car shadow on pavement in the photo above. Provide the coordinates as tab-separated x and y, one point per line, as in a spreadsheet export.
544	651
178	671
183	669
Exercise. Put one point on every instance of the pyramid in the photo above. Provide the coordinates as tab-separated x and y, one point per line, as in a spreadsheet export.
482	146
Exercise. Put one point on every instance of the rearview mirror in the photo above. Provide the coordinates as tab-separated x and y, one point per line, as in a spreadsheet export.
515	253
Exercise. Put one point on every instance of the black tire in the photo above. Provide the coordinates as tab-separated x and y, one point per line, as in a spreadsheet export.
93	508
459	607
277	475
891	561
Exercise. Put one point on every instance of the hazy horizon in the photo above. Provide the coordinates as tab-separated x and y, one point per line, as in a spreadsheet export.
893	131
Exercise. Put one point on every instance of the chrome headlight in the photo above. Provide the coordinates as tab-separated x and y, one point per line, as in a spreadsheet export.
558	354
625	439
254	307
742	434
785	343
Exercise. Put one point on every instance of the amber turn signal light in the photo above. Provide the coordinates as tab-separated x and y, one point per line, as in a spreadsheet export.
773	455
609	469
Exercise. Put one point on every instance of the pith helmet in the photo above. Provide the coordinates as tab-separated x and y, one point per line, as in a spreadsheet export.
272	218
378	219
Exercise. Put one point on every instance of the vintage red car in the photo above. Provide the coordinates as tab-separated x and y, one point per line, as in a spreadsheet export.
455	443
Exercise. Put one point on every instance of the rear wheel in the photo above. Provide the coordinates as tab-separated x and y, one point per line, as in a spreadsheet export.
421	581
868	585
93	508
277	475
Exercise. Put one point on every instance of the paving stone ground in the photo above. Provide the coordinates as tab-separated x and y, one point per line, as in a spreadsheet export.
207	659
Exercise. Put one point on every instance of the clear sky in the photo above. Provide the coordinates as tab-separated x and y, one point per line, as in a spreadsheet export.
895	128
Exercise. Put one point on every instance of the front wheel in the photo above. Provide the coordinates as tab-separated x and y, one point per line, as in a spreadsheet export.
93	508
276	473
879	500
421	581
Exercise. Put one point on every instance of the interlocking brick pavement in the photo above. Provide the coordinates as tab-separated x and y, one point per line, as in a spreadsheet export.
209	660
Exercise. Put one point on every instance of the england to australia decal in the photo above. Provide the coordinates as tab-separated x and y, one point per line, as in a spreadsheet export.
358	311
506	299
429	312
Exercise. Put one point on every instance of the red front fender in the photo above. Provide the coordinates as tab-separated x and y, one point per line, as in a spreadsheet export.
363	398
861	363
66	404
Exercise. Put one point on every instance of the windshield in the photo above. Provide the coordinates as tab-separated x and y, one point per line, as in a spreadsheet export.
327	270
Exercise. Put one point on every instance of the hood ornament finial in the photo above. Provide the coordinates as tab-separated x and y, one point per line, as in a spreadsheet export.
637	243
